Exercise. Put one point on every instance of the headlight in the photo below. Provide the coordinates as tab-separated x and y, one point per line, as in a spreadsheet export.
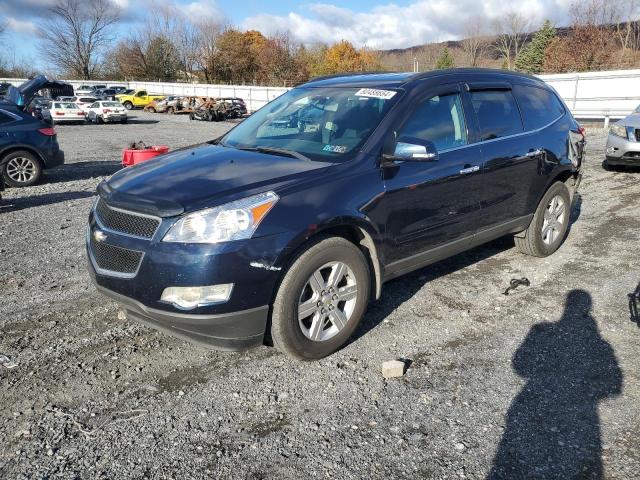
233	221
618	131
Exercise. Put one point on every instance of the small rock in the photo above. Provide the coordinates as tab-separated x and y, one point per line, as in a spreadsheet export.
393	369
122	315
460	446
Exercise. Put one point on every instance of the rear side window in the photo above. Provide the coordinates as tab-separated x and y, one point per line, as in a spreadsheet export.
440	120
539	106
497	113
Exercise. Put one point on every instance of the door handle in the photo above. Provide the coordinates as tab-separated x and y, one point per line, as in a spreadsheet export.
535	153
467	170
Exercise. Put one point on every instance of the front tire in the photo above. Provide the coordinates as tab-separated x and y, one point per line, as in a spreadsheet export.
321	300
21	169
550	222
128	105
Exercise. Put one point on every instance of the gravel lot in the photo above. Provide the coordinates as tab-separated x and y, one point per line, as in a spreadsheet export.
542	383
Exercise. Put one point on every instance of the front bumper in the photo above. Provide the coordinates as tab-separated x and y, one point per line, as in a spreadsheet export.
236	324
115	118
230	331
621	151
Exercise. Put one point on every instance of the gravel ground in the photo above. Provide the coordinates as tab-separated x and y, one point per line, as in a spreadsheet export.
541	383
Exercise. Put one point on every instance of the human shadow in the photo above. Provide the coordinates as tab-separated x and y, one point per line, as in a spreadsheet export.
634	305
552	427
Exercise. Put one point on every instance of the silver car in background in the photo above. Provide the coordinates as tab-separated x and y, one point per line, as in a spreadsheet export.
623	144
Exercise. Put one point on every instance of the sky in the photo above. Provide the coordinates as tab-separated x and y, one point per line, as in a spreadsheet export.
370	23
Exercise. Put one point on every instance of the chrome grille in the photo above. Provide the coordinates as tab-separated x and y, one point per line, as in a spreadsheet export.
128	223
112	259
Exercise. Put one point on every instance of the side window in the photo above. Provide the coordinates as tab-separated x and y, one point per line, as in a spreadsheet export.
497	113
142	94
440	120
539	106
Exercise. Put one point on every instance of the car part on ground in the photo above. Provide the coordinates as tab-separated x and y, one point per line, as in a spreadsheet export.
288	224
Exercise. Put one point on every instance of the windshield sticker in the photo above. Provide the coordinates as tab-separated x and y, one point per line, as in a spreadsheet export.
335	148
374	93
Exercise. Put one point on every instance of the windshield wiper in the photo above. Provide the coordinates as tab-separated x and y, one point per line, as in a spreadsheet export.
277	151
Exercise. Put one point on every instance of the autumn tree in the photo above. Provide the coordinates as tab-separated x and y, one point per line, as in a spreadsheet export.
343	57
588	47
445	60
532	56
77	33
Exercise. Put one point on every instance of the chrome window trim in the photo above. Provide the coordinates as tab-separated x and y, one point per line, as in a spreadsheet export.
528	132
128	212
110	273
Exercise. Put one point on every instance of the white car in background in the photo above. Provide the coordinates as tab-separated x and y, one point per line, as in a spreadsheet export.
63	112
84	102
106	111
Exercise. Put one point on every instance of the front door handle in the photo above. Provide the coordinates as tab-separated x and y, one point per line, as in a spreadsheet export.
467	170
535	153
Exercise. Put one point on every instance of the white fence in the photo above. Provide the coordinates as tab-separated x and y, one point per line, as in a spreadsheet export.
591	95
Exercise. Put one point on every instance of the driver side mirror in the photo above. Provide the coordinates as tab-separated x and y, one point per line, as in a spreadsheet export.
411	149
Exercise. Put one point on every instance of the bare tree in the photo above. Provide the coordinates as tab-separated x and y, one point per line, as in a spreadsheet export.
511	34
77	33
474	42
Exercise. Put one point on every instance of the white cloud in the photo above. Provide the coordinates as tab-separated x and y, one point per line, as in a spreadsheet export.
394	26
21	26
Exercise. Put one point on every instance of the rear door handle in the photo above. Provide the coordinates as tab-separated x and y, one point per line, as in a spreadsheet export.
467	170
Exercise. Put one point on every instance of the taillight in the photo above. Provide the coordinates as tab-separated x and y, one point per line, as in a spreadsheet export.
81	114
49	131
59	113
106	110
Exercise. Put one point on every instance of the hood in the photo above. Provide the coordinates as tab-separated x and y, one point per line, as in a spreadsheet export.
200	177
632	120
24	93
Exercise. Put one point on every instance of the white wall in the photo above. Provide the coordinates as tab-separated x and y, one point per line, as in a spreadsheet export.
588	95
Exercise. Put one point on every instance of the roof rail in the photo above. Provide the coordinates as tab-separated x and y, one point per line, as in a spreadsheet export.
349	74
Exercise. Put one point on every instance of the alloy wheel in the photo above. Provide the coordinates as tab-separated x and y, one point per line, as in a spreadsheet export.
554	217
21	169
327	301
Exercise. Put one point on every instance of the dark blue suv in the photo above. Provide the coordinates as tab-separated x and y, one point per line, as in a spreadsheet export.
284	231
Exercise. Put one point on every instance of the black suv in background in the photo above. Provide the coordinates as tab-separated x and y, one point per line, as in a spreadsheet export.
284	231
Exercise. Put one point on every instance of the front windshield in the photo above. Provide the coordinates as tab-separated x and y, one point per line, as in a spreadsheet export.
324	124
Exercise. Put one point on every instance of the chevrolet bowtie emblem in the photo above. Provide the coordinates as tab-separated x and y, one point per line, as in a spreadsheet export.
99	236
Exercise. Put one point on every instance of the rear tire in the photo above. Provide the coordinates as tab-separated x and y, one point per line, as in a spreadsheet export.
99	119
21	169
128	105
549	225
321	300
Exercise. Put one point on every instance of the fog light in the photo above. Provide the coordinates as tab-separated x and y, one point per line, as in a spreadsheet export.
187	298
611	150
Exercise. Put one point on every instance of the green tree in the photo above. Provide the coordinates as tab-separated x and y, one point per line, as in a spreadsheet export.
445	60
162	60
531	57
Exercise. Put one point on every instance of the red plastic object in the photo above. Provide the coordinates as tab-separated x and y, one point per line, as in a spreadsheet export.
133	157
